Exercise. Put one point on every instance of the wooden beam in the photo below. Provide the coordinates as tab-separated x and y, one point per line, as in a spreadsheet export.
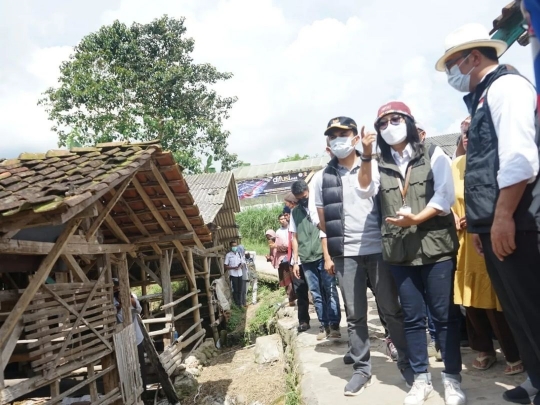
74	266
155	212
153	355
39	278
10	345
107	209
179	300
134	218
10	394
80	318
125	293
210	298
147	269
186	236
25	247
166	286
195	298
92	377
177	207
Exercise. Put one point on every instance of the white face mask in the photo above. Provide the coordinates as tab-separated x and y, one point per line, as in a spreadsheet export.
394	134
459	81
342	147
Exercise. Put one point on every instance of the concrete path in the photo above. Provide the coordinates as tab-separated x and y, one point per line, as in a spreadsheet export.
324	375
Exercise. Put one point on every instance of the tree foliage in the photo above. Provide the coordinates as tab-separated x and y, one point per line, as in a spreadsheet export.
292	158
140	83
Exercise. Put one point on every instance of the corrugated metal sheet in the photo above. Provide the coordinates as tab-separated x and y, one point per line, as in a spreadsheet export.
447	142
274	169
217	198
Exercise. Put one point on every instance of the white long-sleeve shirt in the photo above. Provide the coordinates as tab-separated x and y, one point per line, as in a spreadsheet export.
441	166
512	102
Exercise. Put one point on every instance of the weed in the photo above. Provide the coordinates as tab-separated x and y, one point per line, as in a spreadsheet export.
236	319
292	397
270	302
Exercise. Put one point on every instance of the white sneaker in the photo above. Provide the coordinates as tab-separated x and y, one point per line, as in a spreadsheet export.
420	391
453	395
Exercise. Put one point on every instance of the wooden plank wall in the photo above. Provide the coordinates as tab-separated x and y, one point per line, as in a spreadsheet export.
127	360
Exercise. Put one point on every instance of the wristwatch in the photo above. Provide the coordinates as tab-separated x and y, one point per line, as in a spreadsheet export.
365	158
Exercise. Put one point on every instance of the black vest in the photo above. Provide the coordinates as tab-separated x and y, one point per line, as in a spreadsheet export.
332	196
481	187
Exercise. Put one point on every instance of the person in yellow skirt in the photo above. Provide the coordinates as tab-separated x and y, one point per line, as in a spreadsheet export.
472	286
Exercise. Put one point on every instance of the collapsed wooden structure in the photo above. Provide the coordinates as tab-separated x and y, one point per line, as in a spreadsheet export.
70	222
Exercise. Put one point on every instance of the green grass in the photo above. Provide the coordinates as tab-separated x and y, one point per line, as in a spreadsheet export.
254	222
260	248
270	301
292	397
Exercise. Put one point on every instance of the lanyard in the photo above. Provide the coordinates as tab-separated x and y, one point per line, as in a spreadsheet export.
405	187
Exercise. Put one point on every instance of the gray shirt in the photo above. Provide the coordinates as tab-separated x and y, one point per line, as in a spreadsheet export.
362	231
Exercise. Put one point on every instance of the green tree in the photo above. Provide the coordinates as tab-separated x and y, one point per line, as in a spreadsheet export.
292	158
140	83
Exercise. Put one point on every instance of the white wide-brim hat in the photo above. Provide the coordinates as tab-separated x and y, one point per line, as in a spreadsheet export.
467	37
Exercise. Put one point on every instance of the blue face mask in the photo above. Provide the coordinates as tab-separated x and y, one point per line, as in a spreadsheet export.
234	248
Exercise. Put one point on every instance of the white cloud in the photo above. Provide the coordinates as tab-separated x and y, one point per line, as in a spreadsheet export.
293	68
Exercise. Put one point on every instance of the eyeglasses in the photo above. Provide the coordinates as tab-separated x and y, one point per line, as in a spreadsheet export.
394	120
449	64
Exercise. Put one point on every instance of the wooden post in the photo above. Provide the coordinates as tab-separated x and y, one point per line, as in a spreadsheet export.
125	292
153	355
165	273
111	379
195	297
145	305
55	388
221	265
210	297
93	386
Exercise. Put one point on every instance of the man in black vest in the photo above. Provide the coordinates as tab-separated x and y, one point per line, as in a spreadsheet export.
502	192
352	250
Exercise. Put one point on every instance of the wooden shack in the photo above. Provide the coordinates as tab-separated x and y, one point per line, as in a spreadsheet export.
71	221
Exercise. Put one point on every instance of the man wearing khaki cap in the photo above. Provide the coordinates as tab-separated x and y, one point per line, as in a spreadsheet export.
502	191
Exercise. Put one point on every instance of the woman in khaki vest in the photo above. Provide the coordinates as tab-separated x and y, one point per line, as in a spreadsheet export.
472	286
416	193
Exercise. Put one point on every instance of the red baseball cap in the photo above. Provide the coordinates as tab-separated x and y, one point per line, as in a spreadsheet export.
396	107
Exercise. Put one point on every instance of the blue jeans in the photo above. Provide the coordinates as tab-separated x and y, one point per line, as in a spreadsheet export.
431	284
431	326
324	292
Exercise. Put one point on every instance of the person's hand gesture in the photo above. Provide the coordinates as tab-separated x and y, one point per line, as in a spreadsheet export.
368	139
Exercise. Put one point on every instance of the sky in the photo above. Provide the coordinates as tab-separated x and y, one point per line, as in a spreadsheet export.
296	63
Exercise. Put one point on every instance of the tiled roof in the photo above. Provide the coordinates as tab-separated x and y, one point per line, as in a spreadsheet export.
447	142
49	188
217	198
49	181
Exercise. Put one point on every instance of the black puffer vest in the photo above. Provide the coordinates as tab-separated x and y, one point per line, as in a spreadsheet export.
332	196
481	187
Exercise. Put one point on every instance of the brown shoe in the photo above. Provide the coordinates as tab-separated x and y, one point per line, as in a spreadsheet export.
335	333
323	332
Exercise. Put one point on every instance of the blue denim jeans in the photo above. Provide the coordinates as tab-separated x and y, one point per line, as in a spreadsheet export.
324	292
433	285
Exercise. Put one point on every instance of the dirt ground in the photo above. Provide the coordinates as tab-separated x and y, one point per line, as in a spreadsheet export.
235	373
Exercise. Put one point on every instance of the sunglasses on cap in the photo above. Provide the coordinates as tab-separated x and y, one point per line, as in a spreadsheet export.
382	124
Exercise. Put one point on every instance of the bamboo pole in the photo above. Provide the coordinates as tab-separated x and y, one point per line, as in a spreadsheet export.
195	297
210	298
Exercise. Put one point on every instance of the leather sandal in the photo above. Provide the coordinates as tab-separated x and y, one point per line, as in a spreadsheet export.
484	361
514	368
